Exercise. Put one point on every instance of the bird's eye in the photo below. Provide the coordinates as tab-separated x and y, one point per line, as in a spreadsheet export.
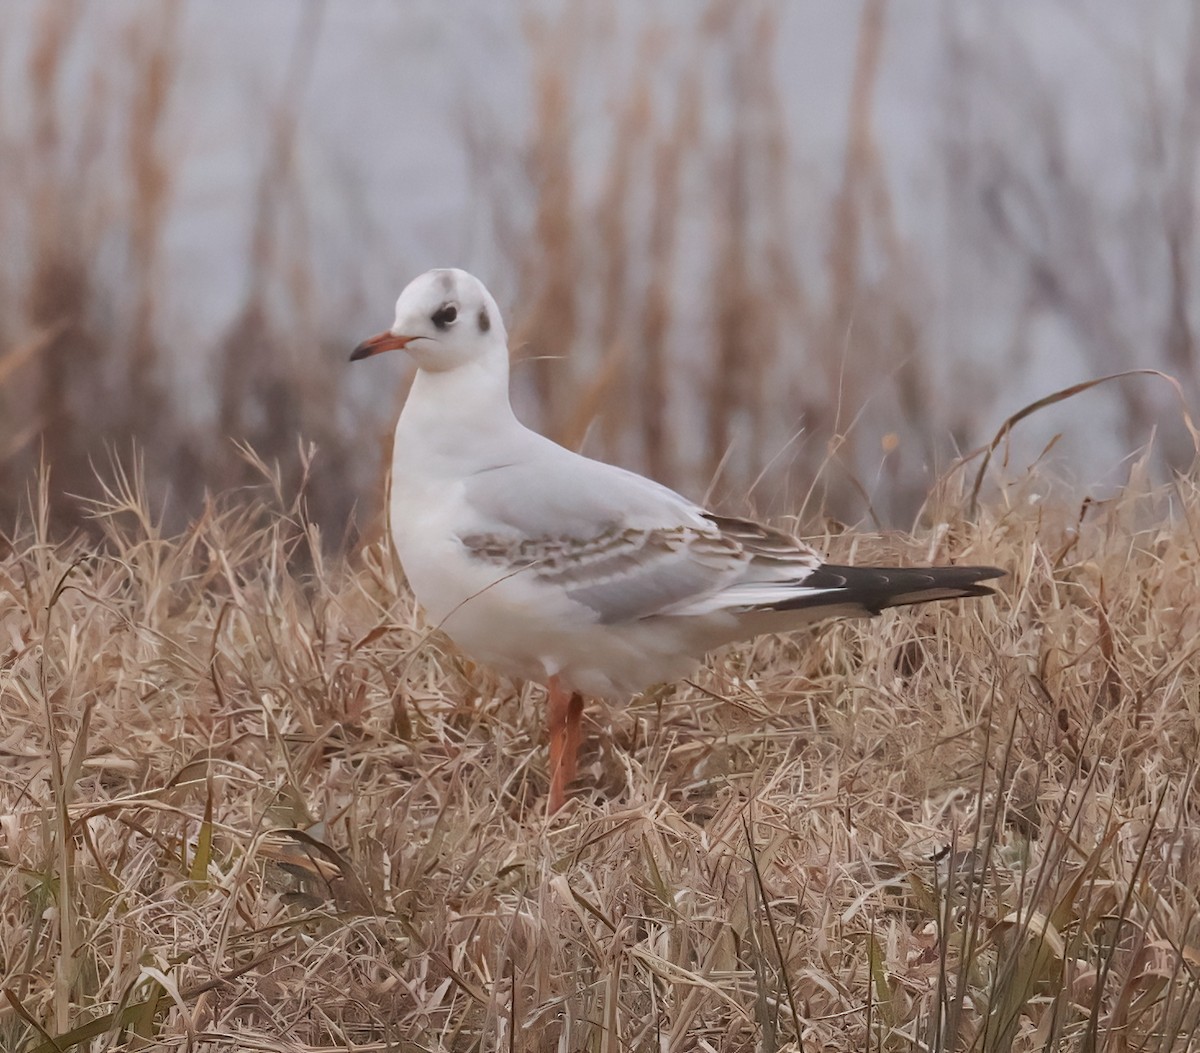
444	316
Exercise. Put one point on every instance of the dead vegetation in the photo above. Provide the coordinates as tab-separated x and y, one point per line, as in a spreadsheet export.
248	801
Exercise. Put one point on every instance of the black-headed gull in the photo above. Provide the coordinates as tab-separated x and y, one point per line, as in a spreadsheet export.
553	567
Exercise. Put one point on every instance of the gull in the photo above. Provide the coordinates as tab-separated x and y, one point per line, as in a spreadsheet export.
550	566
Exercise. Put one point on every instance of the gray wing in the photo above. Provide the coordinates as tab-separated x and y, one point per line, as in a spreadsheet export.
623	573
548	491
621	544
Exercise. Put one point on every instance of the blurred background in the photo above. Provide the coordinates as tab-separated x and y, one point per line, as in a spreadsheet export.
798	256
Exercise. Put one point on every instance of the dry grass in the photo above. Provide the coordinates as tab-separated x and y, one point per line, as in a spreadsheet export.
250	803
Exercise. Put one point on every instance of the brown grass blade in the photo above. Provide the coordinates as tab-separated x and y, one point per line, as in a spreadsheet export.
1061	396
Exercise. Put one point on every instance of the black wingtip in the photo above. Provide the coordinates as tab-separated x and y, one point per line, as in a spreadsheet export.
875	589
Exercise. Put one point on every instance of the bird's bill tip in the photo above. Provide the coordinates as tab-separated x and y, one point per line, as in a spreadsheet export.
377	345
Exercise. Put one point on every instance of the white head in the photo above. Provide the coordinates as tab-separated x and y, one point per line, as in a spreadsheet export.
444	319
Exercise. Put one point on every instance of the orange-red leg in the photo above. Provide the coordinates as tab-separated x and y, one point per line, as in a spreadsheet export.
565	720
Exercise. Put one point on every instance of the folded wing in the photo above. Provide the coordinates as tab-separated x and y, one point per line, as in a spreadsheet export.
630	549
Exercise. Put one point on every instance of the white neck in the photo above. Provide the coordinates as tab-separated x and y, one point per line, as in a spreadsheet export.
456	413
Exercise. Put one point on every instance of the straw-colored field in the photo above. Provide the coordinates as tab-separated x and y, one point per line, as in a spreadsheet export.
250	803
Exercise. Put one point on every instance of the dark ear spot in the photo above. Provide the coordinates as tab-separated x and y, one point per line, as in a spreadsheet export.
485	323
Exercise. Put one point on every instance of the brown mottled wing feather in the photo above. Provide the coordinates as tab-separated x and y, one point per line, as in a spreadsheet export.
625	574
622	574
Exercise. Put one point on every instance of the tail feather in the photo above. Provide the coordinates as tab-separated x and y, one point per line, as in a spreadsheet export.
874	589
